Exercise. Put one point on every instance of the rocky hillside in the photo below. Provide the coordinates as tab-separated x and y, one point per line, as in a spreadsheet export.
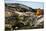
19	16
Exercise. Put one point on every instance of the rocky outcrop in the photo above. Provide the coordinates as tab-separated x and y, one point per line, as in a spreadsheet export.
21	16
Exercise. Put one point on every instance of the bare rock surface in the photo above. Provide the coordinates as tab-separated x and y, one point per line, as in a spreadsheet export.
21	17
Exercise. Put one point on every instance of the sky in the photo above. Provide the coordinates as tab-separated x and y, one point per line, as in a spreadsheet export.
28	3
